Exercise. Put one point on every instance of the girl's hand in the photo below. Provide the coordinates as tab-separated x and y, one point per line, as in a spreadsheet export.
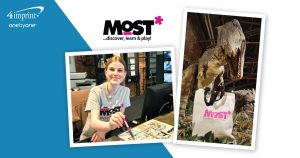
98	137
116	120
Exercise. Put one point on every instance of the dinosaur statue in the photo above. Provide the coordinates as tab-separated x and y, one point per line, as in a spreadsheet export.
229	52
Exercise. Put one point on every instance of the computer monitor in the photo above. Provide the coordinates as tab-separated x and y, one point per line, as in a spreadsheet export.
158	100
167	77
167	54
167	66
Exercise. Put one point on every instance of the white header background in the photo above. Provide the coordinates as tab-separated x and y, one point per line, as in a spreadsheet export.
278	112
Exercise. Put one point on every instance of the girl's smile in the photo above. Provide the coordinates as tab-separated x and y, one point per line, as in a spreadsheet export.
115	73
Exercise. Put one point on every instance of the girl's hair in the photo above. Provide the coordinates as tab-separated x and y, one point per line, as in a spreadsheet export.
116	59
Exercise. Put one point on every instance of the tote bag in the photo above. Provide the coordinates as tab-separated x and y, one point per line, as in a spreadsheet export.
215	115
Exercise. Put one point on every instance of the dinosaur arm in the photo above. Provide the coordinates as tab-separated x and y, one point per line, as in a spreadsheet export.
220	76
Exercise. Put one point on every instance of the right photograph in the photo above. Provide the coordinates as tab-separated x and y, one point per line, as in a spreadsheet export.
219	79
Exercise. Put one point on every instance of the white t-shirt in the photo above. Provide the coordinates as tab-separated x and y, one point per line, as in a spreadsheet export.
98	99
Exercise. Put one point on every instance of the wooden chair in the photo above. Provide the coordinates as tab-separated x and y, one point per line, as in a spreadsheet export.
79	116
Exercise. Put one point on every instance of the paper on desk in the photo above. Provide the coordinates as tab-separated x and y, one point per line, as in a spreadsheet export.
150	130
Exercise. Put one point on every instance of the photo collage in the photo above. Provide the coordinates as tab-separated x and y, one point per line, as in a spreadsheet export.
140	95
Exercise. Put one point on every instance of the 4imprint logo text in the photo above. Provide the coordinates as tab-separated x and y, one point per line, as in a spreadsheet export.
24	18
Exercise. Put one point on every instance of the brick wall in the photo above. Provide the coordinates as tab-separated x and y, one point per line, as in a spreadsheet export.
142	77
142	72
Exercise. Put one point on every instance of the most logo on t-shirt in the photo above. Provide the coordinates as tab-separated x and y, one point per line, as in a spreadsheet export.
106	112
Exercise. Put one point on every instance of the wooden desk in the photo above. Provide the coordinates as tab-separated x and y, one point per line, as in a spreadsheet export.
167	118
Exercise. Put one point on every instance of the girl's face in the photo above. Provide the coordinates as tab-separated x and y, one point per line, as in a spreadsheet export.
115	73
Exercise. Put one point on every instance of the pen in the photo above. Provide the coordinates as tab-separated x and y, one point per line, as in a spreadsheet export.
128	128
126	124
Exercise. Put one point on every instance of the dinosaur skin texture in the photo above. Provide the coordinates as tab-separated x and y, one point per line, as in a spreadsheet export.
229	52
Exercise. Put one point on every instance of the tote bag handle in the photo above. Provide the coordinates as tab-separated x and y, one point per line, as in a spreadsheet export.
213	96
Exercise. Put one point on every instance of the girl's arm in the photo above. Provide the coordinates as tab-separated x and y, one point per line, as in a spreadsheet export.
115	121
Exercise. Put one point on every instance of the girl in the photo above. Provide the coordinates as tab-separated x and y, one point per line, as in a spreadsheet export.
105	101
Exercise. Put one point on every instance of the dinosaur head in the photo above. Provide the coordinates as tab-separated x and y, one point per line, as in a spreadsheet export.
233	42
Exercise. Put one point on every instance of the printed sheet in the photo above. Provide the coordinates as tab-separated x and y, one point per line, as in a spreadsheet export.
152	129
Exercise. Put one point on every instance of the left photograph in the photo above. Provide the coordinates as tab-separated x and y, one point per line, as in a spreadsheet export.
120	96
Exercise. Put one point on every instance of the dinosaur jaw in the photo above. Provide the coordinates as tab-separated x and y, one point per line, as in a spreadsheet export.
236	65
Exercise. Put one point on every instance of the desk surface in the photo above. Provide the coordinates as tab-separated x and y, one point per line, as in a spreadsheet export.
166	118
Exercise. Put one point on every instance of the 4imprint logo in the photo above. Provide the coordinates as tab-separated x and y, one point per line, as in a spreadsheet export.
130	30
22	16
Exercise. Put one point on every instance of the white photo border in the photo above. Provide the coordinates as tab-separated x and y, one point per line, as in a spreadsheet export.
179	72
117	51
